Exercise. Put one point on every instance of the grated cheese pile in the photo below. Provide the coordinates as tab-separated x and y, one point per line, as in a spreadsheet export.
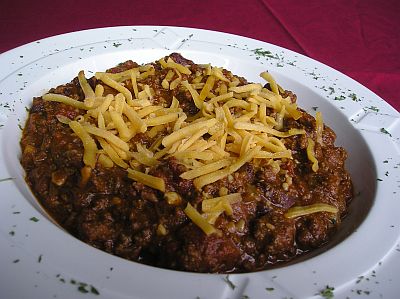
235	124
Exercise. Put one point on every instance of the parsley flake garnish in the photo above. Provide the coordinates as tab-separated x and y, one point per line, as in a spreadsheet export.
373	108
15	261
261	52
85	288
116	45
327	293
354	97
384	131
34	219
6	179
341	98
270	289
229	282
264	53
93	290
82	289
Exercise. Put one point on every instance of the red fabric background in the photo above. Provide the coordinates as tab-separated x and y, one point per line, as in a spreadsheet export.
360	38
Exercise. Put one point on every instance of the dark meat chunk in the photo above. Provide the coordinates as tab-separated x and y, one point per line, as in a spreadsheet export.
313	231
275	237
203	253
127	65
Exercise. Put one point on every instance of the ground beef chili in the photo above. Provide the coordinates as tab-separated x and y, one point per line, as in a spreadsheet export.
121	216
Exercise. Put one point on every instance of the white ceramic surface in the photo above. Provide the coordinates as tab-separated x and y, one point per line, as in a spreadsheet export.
38	259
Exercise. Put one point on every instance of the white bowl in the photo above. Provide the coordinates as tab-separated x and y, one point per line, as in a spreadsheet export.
366	126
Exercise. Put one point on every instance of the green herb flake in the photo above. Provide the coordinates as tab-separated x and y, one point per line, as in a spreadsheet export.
6	179
373	108
16	261
15	213
386	161
270	289
11	233
384	131
82	289
331	90
327	293
341	98
261	52
34	219
40	258
315	76
229	282
354	97
116	45
93	290
264	53
245	297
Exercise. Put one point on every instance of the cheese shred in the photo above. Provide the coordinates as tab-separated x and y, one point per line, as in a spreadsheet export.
298	211
197	219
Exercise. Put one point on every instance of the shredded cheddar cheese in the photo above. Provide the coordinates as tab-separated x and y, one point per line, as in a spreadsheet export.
319	124
234	126
90	147
197	219
146	179
310	209
311	154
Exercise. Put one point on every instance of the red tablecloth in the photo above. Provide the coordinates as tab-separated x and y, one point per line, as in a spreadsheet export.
360	38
